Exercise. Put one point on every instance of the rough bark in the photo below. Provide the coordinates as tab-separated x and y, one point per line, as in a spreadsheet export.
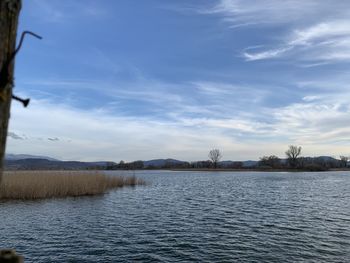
9	12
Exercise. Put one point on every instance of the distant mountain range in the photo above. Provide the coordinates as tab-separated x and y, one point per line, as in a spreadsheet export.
164	162
15	157
34	162
245	164
161	162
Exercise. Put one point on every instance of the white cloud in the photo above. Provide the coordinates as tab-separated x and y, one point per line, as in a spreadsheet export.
185	120
316	31
266	54
191	118
262	12
311	98
323	42
99	135
14	136
322	32
318	122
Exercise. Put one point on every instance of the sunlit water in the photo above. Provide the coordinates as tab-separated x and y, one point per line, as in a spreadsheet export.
190	217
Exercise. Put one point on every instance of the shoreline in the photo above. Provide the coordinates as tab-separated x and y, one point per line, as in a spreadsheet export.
260	170
195	170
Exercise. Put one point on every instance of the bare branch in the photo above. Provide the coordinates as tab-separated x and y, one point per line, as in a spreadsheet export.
215	156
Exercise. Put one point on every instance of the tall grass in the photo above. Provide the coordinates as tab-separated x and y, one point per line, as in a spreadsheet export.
28	185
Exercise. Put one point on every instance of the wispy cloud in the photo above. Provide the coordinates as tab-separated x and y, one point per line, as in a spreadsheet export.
53	139
189	129
267	12
314	32
121	137
170	100
324	42
47	10
61	11
14	136
274	53
103	95
314	122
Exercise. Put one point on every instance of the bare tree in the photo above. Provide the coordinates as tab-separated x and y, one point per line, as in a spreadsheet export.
215	156
292	154
9	12
344	160
271	161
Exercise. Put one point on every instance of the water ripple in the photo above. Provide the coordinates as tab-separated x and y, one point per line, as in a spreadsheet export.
191	217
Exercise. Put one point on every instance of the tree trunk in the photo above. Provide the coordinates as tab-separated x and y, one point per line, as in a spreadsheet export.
9	12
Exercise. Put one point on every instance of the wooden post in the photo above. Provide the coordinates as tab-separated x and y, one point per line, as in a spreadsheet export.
10	256
9	12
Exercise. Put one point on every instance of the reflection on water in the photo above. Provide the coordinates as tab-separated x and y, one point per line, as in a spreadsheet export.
190	216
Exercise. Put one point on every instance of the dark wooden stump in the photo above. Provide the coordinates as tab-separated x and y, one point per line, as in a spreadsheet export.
10	256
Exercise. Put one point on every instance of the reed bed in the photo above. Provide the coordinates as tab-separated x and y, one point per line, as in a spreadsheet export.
29	185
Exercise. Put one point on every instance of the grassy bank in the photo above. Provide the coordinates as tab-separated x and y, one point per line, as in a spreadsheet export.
28	185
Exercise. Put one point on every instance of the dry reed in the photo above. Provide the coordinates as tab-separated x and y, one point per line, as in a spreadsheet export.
27	185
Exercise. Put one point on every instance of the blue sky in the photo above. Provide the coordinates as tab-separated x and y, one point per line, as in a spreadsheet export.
127	80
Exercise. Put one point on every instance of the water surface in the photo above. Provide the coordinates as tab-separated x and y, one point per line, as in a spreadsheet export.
190	217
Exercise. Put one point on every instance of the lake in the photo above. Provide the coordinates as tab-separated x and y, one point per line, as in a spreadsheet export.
190	217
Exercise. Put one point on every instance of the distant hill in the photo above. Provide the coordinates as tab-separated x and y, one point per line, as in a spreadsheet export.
161	163
33	162
249	163
20	162
230	164
14	157
325	158
45	164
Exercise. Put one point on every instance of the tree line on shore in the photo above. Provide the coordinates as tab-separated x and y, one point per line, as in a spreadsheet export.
292	161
